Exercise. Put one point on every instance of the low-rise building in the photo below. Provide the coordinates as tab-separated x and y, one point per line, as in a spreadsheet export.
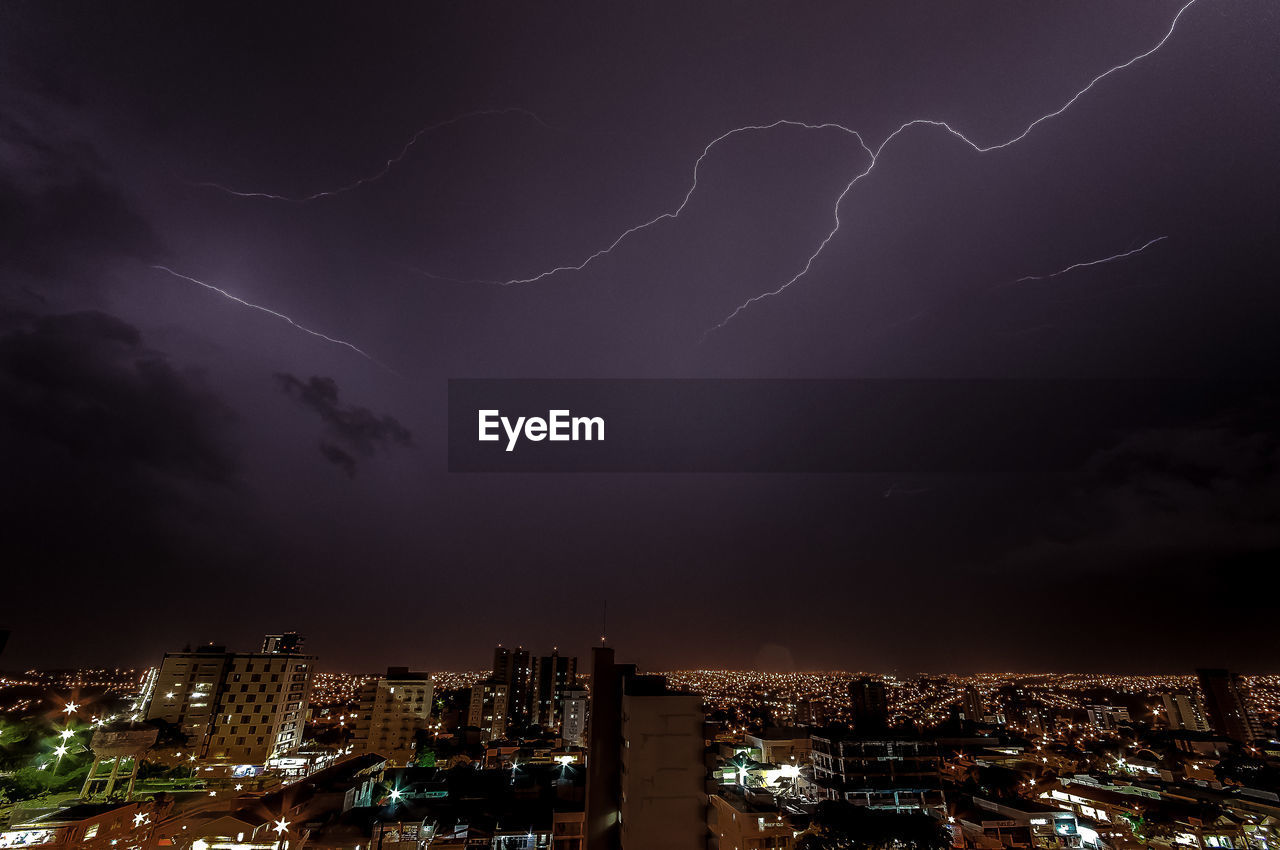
741	820
782	746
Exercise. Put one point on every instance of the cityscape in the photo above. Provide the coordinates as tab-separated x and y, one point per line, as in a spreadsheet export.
219	748
661	425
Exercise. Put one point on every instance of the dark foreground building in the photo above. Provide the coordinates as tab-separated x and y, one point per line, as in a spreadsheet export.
646	785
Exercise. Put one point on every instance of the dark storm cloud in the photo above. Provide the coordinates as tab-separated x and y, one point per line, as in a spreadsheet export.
1209	491
339	458
109	451
359	428
1160	535
64	212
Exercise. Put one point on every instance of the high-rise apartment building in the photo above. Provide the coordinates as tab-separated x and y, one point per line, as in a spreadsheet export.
811	712
488	709
870	704
393	709
515	669
971	705
573	717
1228	703
530	690
234	707
552	675
1183	711
1107	717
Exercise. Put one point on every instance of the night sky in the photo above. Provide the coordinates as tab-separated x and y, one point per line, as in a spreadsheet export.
177	467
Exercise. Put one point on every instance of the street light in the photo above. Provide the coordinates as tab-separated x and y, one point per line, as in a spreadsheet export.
58	751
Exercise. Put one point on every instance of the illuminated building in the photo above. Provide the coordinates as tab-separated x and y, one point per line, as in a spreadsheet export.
742	820
1107	718
645	770
1185	712
971	705
488	709
782	746
1022	823
85	825
811	712
236	708
514	669
567	830
393	710
573	717
1228	704
884	772
286	643
529	689
552	675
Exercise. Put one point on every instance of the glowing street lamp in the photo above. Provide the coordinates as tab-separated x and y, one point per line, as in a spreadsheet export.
70	708
59	751
281	826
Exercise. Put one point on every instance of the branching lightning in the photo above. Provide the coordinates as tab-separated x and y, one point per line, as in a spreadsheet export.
875	158
271	312
675	213
387	166
1075	266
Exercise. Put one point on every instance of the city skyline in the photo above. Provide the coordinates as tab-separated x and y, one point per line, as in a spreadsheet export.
257	749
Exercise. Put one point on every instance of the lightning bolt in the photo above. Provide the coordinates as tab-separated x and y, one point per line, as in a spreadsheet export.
874	160
1075	266
675	213
271	312
977	148
387	166
917	316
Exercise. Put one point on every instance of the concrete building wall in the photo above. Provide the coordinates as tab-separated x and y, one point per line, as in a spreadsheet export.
664	804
